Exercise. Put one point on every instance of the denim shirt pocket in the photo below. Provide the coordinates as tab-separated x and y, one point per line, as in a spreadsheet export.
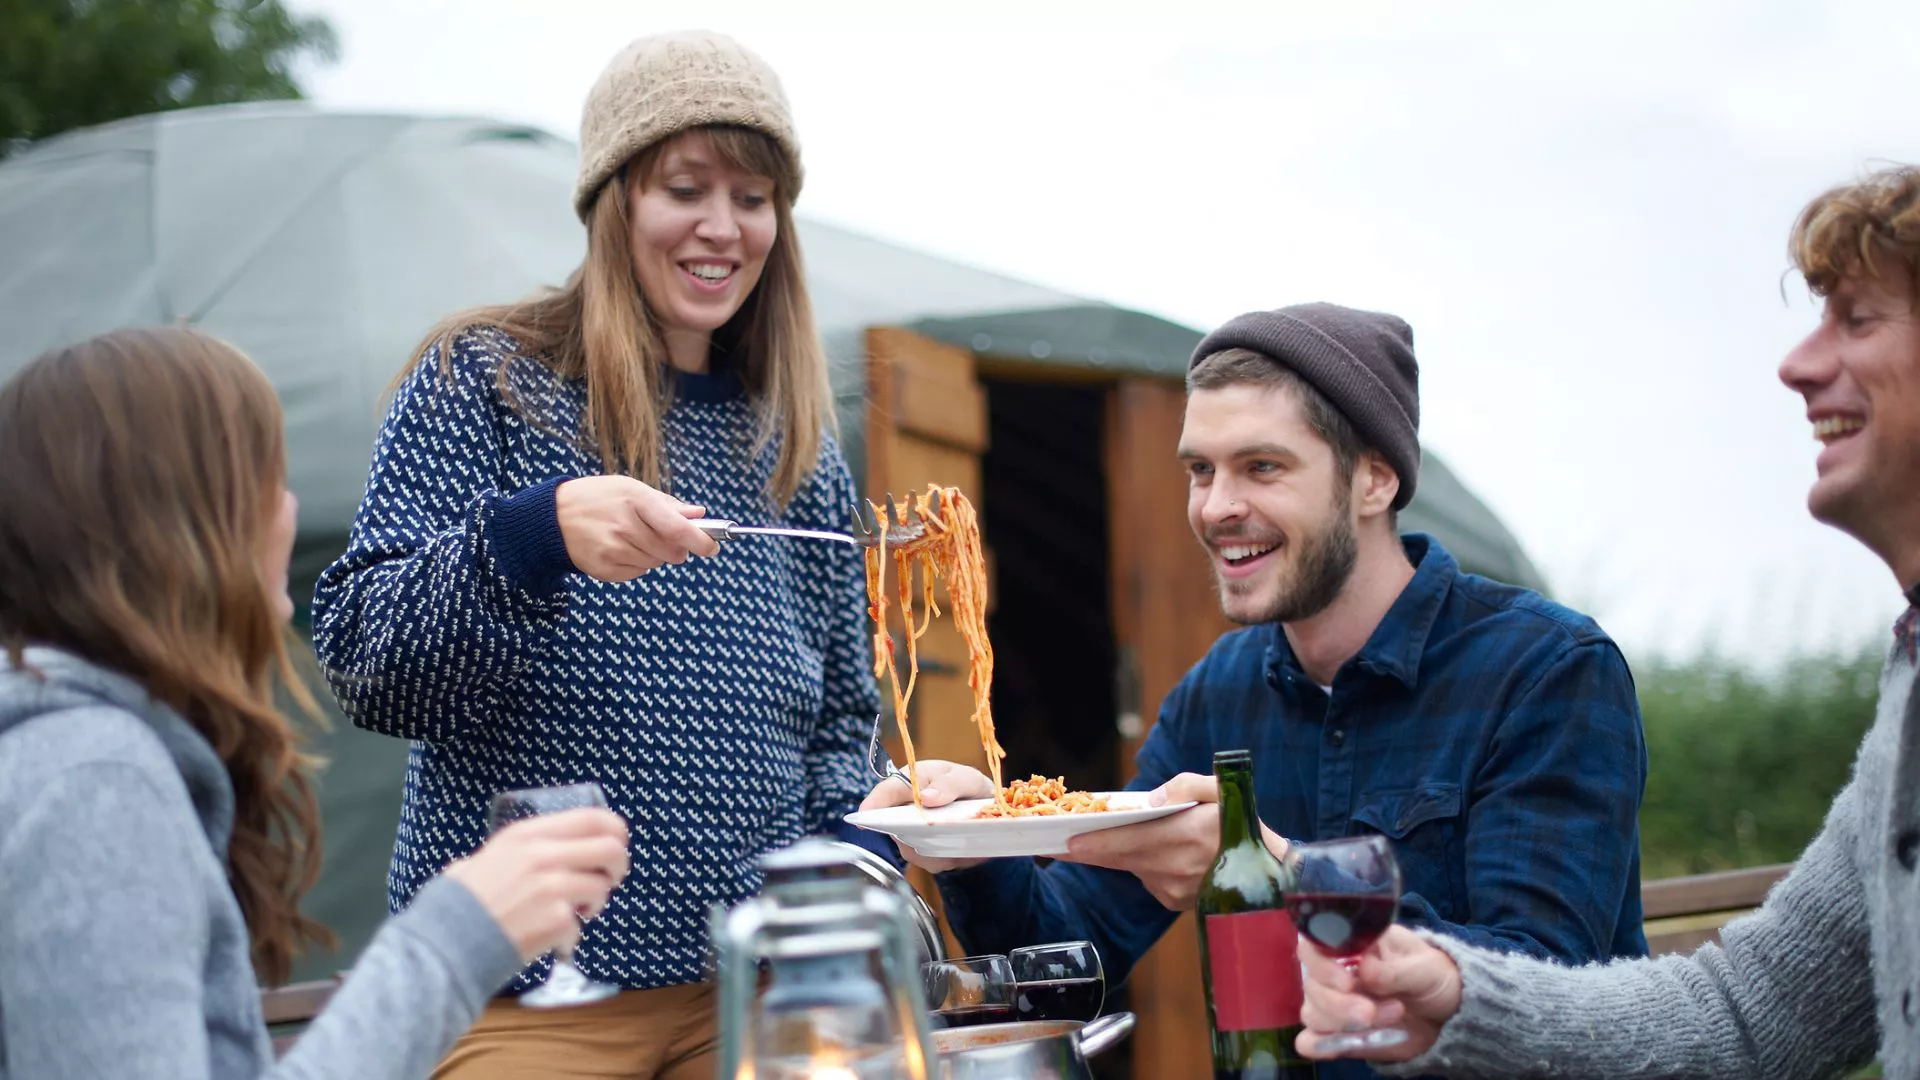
1425	826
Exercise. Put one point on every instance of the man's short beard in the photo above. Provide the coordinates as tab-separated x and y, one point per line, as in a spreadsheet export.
1324	562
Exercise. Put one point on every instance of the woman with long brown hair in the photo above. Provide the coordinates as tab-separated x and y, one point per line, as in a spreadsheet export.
518	596
157	817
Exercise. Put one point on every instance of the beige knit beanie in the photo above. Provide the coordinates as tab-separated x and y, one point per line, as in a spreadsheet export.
664	84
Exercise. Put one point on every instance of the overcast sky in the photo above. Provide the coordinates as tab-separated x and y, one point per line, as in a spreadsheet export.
1581	209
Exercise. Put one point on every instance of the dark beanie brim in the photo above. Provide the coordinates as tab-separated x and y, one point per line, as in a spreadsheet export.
1361	360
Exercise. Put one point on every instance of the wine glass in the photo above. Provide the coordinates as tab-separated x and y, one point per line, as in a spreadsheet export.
1062	981
971	990
1344	897
567	984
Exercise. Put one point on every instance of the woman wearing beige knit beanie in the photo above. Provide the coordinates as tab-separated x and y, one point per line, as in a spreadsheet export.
521	597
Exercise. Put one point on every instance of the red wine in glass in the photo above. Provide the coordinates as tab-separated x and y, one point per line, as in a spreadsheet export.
1344	897
970	990
1341	924
1060	999
971	1015
1059	981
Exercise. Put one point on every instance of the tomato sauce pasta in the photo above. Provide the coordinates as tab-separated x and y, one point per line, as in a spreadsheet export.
1039	796
950	549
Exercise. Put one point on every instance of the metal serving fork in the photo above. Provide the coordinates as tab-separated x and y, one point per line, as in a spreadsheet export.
879	763
722	529
868	530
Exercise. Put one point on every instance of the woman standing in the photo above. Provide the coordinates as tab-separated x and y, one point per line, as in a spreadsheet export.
517	596
157	824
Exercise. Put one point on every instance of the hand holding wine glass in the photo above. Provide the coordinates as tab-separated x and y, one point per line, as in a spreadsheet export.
566	984
534	879
1402	979
1344	897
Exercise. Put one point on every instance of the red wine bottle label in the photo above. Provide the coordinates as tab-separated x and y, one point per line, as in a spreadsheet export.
1254	960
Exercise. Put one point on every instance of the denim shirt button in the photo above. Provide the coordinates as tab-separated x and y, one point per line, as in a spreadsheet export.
1337	736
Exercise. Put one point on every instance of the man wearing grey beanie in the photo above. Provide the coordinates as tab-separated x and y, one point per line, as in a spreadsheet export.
1492	735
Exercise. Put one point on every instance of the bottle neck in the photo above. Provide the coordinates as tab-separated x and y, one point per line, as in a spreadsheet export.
1239	817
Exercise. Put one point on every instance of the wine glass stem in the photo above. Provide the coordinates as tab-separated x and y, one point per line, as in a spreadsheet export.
563	954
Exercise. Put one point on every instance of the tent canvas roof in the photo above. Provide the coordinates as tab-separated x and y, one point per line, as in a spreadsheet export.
326	243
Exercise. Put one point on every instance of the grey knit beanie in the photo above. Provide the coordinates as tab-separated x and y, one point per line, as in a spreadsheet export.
666	83
1361	360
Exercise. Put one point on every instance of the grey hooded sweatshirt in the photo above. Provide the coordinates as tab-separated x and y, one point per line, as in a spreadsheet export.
122	949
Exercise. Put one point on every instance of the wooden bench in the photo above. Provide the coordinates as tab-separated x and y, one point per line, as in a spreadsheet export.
1680	913
1683	913
289	1008
1686	912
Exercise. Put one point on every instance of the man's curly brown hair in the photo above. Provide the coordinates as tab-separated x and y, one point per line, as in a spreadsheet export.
1870	229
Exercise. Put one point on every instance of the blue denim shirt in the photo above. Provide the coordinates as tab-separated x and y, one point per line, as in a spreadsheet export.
1491	733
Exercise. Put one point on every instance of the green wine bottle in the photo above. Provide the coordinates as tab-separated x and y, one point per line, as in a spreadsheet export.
1249	954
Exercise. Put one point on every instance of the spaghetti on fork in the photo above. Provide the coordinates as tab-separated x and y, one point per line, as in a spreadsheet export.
949	547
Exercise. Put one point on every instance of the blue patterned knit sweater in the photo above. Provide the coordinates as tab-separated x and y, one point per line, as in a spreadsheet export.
723	703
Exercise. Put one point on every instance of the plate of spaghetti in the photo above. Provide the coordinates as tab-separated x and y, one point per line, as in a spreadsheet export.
1031	817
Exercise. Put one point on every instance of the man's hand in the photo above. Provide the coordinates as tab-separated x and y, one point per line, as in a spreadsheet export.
941	782
1401	981
1171	854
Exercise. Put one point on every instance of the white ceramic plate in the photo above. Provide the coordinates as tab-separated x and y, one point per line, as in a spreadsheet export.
952	832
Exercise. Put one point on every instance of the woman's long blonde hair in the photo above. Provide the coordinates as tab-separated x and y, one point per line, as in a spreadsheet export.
142	471
598	327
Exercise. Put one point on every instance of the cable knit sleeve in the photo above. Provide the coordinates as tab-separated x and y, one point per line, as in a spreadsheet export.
449	586
1789	993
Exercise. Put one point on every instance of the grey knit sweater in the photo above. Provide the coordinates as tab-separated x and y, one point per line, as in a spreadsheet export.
122	949
1808	986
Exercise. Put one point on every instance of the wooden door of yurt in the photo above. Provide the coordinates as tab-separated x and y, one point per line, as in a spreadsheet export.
1165	619
926	423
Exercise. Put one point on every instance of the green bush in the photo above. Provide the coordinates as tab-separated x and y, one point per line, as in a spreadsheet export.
1742	763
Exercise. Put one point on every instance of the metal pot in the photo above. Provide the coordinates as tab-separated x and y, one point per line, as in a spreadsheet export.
1029	1049
882	873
